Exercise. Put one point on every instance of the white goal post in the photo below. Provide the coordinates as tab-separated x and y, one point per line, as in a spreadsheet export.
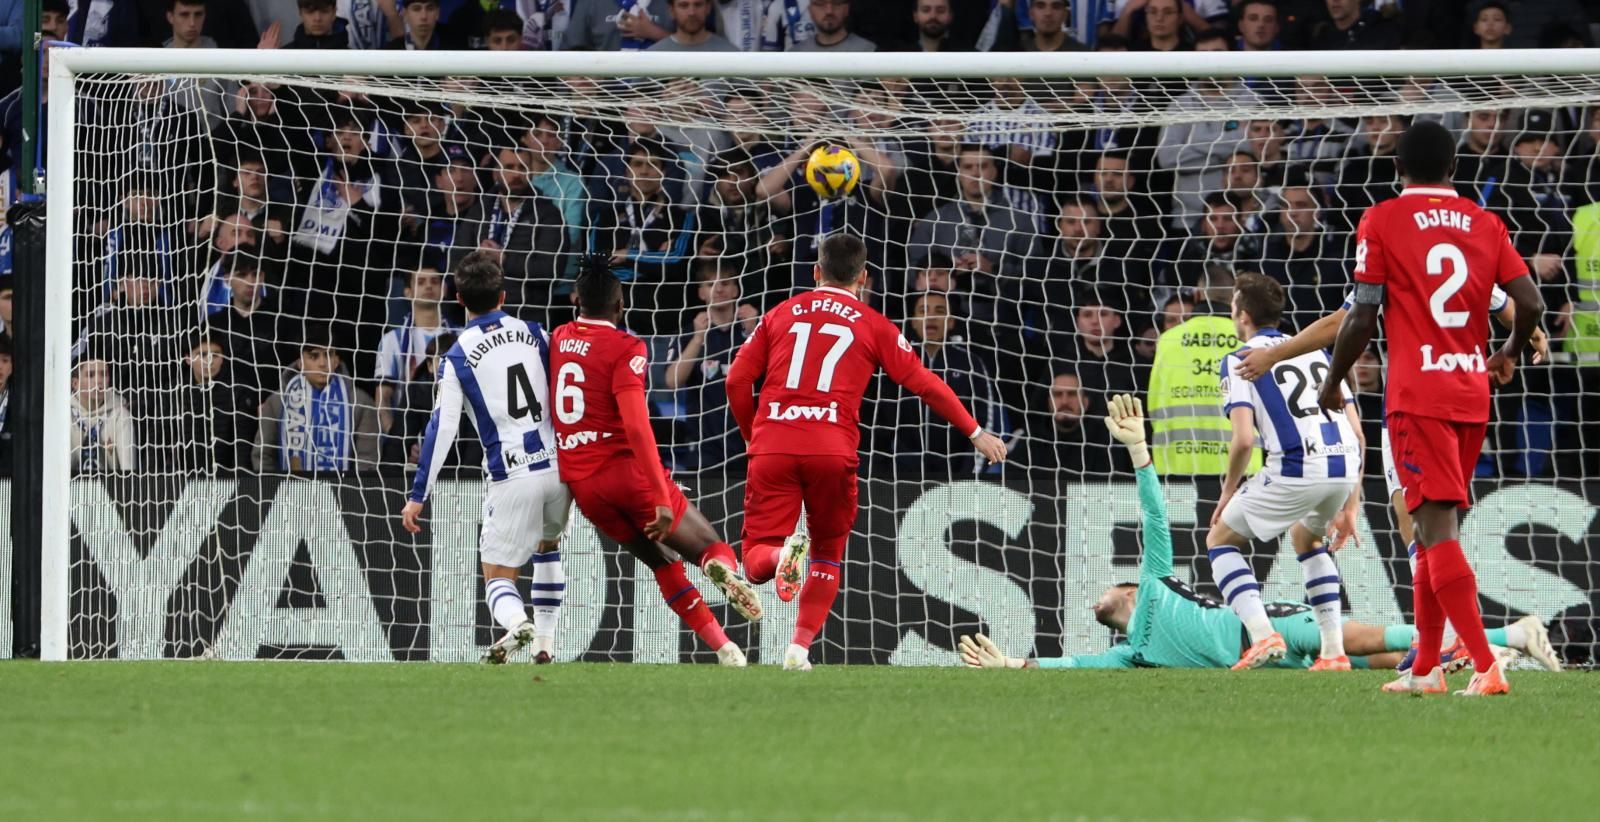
1062	89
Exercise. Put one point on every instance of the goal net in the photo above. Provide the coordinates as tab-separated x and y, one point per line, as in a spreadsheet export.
256	287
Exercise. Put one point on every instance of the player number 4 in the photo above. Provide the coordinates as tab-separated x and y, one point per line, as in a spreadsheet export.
1437	257
797	361
520	399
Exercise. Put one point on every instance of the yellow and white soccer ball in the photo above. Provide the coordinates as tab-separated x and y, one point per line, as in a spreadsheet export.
833	171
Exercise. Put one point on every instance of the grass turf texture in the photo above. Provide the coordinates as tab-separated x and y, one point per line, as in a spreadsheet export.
196	740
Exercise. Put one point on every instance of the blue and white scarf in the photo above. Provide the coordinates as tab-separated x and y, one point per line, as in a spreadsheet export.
111	269
740	23
641	8
322	225
368	29
316	425
542	29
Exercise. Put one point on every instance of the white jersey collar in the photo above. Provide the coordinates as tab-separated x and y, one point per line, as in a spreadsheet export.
836	291
587	321
1430	191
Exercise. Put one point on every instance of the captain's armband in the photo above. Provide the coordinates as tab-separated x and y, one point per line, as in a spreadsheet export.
1368	294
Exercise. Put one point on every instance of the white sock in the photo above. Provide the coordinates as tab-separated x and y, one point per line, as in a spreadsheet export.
1240	590
549	590
1516	637
1322	591
505	603
1449	630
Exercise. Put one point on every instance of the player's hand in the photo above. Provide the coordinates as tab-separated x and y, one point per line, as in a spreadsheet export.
1540	343
661	527
1125	421
1342	529
1330	397
991	447
1501	367
1255	363
409	516
980	652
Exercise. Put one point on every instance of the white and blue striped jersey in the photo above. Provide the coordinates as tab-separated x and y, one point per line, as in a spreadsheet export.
1302	441
1497	303
499	369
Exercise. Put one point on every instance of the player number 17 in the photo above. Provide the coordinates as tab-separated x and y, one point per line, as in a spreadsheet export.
842	335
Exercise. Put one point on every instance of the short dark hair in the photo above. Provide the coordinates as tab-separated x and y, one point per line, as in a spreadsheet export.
1259	296
174	4
501	20
1427	153
57	6
480	283
1492	4
1214	33
240	263
1218	199
841	258
203	336
1238	10
318	335
315	5
5	347
653	149
597	288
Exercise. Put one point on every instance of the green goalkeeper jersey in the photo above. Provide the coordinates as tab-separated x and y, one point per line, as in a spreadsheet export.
1172	625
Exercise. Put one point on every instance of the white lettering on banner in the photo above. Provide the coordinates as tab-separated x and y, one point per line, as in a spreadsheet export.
803	412
309	512
142	584
926	559
1454	361
456	593
1443	218
1511	581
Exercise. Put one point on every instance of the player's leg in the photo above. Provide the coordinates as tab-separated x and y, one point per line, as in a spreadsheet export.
1443	491
1407	529
1321	574
829	487
1239	586
684	598
772	505
549	587
509	509
696	539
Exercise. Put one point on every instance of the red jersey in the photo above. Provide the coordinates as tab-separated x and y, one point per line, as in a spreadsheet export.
1438	256
591	362
815	355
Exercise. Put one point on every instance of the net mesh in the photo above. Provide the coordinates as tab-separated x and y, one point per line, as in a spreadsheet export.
237	490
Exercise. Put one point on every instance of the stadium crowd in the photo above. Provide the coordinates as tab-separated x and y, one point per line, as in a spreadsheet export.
264	269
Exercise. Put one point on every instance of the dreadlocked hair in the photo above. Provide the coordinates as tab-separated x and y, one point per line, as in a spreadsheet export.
597	288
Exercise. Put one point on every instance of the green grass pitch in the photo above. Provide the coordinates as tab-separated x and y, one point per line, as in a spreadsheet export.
329	741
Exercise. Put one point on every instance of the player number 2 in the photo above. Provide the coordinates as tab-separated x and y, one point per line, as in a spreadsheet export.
842	335
1437	257
569	393
520	399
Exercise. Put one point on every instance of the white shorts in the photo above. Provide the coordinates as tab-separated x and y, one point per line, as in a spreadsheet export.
518	514
1264	508
1391	477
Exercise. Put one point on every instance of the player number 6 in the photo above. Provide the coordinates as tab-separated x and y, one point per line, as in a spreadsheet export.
569	393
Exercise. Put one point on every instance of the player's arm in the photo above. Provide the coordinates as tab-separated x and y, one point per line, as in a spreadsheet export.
1529	310
1125	420
627	385
740	384
1505	311
903	366
1361	316
436	441
1343	525
1319	335
981	652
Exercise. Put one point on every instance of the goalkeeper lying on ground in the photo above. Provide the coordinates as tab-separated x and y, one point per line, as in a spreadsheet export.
1169	625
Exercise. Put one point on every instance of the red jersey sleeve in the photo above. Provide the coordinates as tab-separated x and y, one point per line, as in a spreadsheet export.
748	366
1510	264
901	362
627	385
632	365
1370	260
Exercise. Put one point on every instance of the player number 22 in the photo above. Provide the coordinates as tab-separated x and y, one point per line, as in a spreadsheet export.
1437	257
842	335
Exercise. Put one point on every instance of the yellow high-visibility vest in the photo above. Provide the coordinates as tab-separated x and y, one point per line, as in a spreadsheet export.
1189	434
1583	338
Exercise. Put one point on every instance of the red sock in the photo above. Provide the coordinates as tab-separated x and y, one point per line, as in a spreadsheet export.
1430	619
821	588
761	562
684	599
722	551
1456	588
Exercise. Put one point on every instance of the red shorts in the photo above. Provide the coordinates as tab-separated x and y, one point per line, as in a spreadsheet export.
1435	459
779	483
616	500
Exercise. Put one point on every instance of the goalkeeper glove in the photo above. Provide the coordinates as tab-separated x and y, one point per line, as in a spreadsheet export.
981	652
1125	420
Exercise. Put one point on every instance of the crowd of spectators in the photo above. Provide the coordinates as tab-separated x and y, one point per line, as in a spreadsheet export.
1033	266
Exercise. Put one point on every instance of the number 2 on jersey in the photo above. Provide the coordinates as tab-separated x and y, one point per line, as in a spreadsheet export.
843	337
1303	383
1437	257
